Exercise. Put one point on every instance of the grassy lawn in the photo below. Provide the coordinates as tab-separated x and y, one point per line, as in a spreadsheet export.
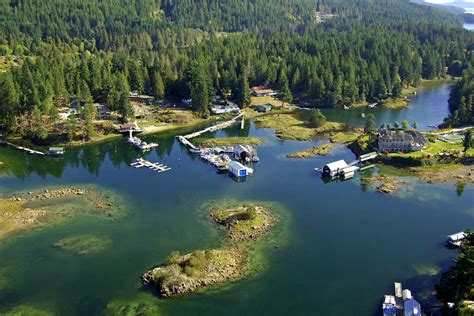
343	137
265	100
229	141
436	148
289	126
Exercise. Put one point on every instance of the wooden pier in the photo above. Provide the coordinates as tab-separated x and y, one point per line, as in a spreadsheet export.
185	139
142	163
364	158
28	150
186	142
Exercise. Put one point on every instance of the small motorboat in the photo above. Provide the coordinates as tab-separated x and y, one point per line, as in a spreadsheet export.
195	150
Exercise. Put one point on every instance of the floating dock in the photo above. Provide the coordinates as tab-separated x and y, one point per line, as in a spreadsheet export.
142	163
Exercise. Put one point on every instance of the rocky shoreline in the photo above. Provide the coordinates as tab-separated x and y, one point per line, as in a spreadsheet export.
322	150
32	210
187	273
384	183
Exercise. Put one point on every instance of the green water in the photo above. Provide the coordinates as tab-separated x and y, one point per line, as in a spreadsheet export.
344	245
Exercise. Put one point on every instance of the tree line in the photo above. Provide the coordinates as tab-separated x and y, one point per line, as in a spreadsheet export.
99	51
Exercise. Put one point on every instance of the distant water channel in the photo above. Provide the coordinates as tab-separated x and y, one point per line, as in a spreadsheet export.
469	27
345	245
428	108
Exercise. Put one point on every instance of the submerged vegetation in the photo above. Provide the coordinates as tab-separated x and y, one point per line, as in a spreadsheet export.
32	210
142	305
185	273
27	310
84	244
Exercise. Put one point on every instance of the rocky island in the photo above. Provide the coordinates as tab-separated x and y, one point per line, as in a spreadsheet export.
244	224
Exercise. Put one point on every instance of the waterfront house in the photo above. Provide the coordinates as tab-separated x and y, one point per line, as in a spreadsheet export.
229	107
400	140
262	91
264	108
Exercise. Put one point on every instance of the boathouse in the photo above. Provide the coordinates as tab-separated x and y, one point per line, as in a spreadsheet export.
237	169
456	239
56	151
334	169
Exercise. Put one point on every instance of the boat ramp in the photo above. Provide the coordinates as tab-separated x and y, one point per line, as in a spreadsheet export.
142	163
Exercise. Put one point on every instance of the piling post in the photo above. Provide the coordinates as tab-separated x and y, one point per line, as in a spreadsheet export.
243	121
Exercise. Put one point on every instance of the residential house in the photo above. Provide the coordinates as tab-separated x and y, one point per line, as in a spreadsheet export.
262	91
264	108
400	140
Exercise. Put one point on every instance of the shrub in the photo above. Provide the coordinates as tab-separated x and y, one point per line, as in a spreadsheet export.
316	119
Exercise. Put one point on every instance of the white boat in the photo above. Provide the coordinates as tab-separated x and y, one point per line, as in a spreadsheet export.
195	150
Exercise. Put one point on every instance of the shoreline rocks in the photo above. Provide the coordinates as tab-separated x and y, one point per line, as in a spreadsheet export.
384	184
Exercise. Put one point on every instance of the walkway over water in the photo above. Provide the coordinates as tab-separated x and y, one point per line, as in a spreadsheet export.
185	139
28	150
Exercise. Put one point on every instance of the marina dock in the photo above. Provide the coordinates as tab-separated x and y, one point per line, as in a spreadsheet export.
142	163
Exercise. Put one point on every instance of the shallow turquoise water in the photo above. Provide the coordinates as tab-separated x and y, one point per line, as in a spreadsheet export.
345	245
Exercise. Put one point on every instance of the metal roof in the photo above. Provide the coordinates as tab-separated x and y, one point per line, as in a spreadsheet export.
350	169
458	236
340	164
236	165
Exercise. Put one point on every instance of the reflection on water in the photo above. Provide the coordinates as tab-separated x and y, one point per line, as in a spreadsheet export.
428	108
343	242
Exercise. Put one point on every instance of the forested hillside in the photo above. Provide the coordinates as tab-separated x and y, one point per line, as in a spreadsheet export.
56	51
461	101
